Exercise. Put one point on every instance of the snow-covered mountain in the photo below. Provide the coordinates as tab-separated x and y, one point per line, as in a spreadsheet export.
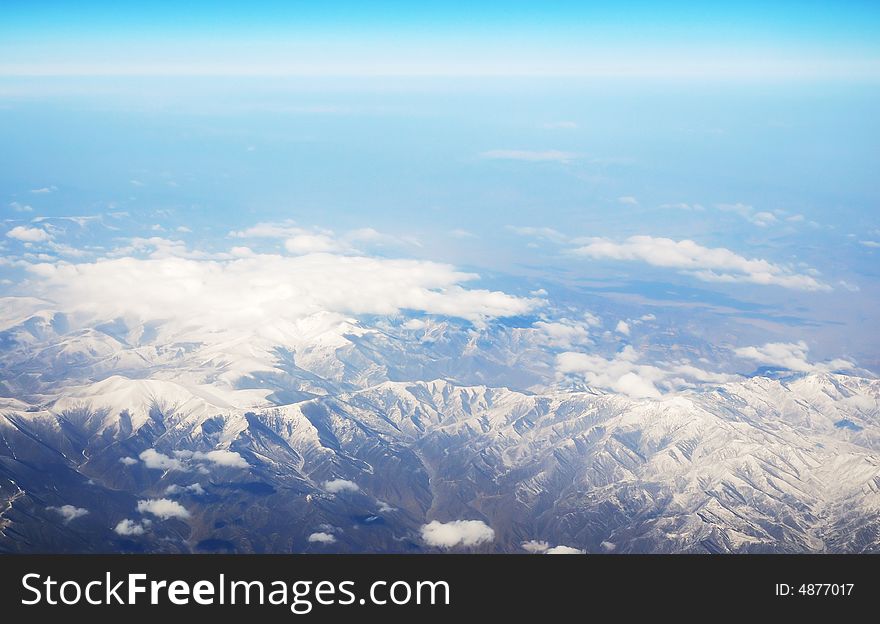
340	434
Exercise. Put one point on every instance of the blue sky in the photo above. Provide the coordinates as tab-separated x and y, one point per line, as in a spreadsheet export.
787	20
528	142
645	38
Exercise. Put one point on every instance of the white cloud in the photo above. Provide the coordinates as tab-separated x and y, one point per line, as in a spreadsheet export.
183	229
223	457
300	240
684	206
19	207
460	233
625	375
195	488
160	248
66	250
608	546
710	264
543	233
565	333
313	243
29	235
457	533
128	461
622	328
628	200
763	219
542	547
760	218
44	190
267	288
790	355
414	324
336	486
163	508
282	229
130	527
535	546
564	550
69	512
870	243
158	461
241	252
322	538
219	457
530	155
369	235
634	385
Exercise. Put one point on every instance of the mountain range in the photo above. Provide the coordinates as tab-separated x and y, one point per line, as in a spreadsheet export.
335	434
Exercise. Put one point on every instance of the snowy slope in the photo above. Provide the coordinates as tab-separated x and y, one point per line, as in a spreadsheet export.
368	429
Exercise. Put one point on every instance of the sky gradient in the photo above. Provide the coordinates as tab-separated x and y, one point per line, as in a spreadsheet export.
710	165
647	39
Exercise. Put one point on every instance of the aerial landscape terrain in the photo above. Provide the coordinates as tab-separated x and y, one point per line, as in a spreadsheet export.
571	279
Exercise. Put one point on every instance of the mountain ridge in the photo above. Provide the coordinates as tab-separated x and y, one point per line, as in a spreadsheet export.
751	466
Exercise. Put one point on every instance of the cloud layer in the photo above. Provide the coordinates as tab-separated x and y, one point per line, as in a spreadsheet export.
709	264
626	375
243	292
219	457
182	460
790	355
